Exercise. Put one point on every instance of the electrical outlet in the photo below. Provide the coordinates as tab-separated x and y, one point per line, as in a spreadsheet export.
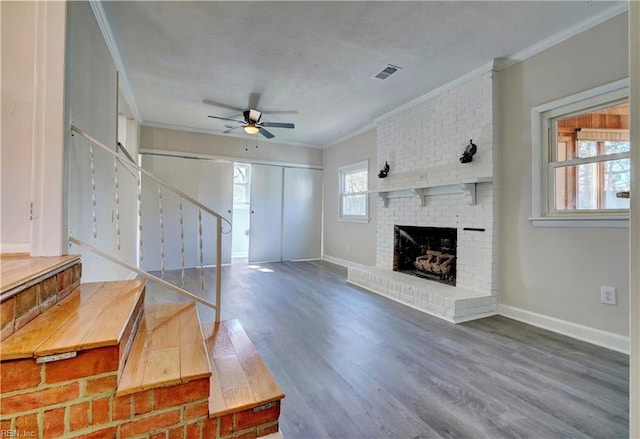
608	295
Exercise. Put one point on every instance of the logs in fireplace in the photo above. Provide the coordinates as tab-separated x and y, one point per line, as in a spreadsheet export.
427	252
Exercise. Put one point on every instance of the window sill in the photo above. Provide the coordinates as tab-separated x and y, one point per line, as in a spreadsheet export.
605	221
354	220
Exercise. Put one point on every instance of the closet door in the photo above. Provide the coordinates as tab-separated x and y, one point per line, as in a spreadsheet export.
209	182
302	214
265	230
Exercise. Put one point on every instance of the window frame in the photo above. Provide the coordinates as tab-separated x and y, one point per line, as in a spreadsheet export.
343	171
542	130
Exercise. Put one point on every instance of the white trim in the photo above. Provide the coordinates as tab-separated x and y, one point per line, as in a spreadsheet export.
609	340
617	222
351	135
20	247
107	34
346	219
222	159
568	32
342	262
485	68
541	116
169	126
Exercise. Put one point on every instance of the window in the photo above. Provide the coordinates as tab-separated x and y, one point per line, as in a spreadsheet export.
581	158
354	186
241	179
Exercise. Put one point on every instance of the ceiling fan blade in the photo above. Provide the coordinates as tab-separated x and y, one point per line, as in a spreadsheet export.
277	125
221	105
280	112
254	98
266	133
230	129
226	118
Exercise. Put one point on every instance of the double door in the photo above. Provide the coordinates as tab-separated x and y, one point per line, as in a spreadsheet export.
286	214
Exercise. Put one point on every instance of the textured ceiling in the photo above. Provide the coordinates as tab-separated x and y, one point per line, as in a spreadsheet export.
315	58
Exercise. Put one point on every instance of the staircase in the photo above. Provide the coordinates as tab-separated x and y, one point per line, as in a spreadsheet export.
91	361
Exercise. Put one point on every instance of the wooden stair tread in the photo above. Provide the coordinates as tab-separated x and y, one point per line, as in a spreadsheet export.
93	315
168	349
240	377
16	271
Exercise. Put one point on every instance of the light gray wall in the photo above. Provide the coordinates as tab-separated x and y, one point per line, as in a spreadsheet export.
558	272
92	105
163	139
353	242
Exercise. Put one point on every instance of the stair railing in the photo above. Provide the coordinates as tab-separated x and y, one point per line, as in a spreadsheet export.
164	189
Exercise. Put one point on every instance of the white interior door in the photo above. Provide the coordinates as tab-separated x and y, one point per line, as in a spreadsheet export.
265	230
209	182
302	214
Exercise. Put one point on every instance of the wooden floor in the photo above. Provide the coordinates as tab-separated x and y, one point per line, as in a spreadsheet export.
356	365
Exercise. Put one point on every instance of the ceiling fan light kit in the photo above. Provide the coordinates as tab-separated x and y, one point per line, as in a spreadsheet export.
251	123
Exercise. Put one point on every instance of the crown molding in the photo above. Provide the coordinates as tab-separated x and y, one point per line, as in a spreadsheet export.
124	86
168	126
618	8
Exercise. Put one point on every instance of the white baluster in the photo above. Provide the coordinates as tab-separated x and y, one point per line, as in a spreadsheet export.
161	232
117	203
181	242
140	255
201	250
94	211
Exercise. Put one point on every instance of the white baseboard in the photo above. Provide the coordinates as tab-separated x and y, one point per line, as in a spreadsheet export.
341	262
22	247
609	340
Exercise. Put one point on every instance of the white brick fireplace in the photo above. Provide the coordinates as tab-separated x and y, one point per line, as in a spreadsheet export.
429	186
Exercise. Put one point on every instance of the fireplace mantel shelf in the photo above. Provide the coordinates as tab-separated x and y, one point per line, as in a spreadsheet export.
466	187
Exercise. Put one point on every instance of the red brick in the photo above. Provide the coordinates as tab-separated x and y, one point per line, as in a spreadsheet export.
264	430
5	425
101	385
149	423
79	416
105	433
7	312
27	425
182	393
251	434
54	422
86	363
26	318
6	332
19	374
100	409
193	431
41	398
121	407
178	433
250	418
142	402
162	435
196	410
226	425
209	428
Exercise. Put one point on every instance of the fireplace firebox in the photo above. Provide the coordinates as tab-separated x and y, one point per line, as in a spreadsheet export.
427	252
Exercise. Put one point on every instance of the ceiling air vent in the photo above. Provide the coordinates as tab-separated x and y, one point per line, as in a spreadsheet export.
389	70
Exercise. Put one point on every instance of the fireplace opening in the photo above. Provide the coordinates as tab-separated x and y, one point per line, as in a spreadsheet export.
427	252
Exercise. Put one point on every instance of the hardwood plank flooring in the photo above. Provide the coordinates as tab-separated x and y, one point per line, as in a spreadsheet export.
353	364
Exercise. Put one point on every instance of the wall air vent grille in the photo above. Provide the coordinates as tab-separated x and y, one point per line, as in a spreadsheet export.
387	71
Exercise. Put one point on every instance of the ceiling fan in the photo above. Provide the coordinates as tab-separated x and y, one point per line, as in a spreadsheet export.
251	123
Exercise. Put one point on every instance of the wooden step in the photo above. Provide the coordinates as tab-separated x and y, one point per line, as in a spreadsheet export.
168	349
94	315
18	271
241	379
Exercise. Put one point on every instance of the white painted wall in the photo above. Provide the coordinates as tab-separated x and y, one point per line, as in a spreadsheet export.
233	148
349	241
92	105
18	70
557	272
634	293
